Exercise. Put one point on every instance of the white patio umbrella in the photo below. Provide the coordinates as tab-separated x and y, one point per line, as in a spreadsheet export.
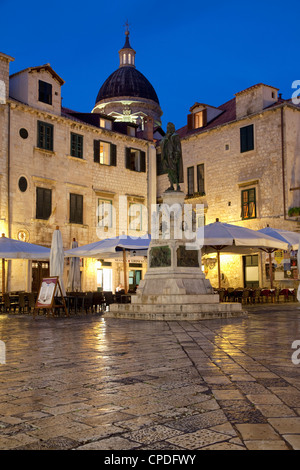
16	249
74	272
287	236
57	257
292	238
227	238
112	245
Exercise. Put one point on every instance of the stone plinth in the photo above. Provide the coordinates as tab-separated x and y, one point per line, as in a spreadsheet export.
174	287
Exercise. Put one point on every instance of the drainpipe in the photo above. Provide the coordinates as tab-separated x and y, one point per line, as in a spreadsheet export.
283	162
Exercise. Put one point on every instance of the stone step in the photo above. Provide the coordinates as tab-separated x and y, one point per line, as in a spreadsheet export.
178	299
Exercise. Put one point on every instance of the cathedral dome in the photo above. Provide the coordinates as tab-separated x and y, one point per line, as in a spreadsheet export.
127	95
127	81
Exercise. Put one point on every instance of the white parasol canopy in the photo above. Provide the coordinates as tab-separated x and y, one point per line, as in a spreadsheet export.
74	272
109	246
16	249
227	238
57	257
287	236
114	245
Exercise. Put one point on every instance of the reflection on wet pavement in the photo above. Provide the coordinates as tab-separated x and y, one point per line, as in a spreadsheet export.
96	383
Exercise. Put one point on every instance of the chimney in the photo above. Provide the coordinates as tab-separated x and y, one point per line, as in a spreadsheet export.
148	130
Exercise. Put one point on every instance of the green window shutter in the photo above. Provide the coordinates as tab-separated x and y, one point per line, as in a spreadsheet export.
113	154
79	209
200	179
76	209
72	207
97	151
143	161
250	138
43	203
247	138
127	157
190	180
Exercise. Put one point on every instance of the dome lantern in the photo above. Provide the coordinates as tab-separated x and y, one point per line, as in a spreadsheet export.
127	54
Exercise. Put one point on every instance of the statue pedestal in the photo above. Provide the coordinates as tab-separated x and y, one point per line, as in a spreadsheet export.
174	287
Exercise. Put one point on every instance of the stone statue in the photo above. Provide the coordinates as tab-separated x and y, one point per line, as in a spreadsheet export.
171	155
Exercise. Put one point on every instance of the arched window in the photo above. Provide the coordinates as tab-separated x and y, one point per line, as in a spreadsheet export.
129	58
124	58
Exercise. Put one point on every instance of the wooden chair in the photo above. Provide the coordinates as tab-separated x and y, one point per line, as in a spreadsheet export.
22	302
31	302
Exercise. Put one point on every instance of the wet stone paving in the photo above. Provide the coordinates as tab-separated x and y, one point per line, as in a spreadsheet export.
96	383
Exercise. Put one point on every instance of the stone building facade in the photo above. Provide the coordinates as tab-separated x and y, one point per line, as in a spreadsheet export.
79	171
242	162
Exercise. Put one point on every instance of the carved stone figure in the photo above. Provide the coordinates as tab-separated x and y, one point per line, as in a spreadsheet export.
171	154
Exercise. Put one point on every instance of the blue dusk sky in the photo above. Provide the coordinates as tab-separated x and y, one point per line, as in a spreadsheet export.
192	51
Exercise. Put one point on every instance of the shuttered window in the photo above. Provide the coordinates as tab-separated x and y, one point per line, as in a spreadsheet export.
200	179
76	144
43	203
76	209
135	160
249	204
45	92
45	135
247	138
105	153
190	180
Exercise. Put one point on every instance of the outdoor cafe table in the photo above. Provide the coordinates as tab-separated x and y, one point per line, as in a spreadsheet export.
75	300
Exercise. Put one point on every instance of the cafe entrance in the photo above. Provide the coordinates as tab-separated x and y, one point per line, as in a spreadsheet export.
40	269
251	272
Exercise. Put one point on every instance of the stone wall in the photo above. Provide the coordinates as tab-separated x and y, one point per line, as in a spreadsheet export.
228	172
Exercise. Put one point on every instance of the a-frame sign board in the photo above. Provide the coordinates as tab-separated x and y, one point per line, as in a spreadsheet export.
46	296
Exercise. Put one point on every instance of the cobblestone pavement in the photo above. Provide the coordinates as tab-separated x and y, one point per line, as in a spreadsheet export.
94	383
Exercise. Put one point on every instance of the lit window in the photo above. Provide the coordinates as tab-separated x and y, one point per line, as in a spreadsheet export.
104	212
135	217
104	153
135	160
198	120
249	204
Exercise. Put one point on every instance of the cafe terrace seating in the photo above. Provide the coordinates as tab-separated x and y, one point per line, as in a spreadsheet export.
256	295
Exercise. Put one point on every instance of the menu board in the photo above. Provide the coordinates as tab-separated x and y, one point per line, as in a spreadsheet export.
46	294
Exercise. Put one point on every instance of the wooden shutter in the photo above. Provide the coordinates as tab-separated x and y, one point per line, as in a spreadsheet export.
39	204
43	203
200	178
79	209
76	208
72	208
190	121
247	138
97	151
250	137
142	161
127	157
190	180
113	154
